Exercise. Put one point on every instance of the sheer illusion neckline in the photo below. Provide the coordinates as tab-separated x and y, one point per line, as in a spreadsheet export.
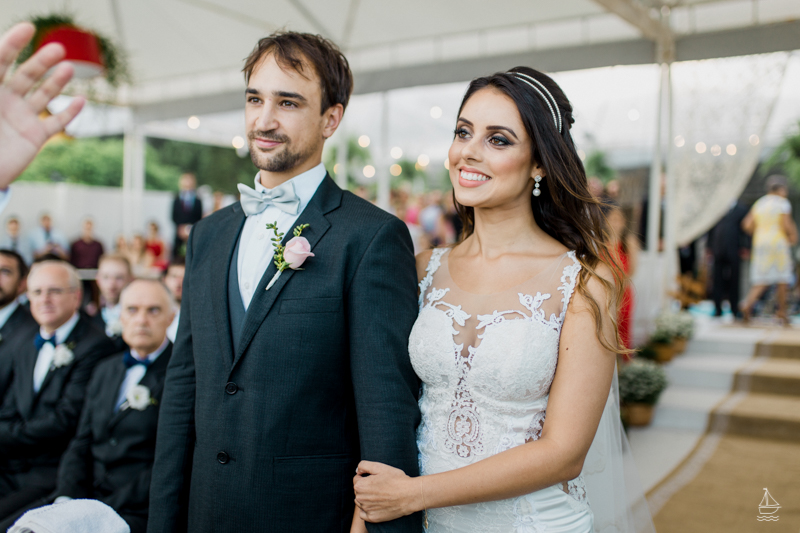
550	266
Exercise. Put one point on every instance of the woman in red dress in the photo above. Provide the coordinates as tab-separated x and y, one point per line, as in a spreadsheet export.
626	246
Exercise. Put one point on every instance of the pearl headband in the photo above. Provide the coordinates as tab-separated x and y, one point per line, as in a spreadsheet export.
556	116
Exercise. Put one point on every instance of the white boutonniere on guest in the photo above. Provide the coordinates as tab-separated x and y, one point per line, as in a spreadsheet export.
114	329
293	255
138	397
63	356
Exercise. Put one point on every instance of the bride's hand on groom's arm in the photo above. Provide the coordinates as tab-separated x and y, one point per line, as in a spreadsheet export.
384	493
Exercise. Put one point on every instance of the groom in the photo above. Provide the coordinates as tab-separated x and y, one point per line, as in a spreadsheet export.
272	396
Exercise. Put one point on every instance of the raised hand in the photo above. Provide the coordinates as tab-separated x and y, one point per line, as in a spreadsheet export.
22	132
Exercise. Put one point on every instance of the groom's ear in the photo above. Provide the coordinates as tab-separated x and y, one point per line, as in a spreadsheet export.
332	117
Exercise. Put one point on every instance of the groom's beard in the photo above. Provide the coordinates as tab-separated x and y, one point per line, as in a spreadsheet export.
284	160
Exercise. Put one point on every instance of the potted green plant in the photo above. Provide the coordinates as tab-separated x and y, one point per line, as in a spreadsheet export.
92	54
640	385
661	342
684	329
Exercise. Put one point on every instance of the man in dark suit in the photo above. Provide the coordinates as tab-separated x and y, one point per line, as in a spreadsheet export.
113	275
276	390
111	457
726	240
187	210
16	321
51	369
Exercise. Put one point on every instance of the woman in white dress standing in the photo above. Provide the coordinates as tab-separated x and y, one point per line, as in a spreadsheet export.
515	342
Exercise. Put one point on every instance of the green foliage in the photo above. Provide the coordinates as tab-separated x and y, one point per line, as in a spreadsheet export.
641	382
220	168
87	161
357	157
99	162
596	165
115	59
787	157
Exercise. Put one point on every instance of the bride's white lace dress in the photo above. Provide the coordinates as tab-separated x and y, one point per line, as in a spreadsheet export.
487	363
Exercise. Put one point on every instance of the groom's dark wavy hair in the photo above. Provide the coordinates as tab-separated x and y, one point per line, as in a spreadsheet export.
565	209
301	50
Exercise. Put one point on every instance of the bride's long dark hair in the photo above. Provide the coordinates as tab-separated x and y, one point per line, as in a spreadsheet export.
565	210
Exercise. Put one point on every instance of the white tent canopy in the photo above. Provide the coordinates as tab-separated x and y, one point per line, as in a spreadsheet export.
186	55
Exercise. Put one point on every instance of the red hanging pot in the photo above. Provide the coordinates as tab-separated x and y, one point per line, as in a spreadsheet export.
83	50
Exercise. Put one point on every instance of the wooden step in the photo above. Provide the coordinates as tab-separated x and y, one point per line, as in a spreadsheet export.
781	344
774	376
771	416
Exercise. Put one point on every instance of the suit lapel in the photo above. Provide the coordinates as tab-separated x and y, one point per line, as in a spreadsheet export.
153	379
73	338
327	198
111	393
222	255
27	361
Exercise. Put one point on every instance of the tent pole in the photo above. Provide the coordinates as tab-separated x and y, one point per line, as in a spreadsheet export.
133	178
381	166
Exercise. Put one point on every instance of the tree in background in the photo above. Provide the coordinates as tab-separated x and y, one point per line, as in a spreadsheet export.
98	162
786	157
597	165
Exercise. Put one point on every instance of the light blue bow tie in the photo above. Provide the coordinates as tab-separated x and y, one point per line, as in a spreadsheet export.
283	197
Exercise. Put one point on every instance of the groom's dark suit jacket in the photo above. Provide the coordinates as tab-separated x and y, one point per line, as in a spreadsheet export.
35	428
266	436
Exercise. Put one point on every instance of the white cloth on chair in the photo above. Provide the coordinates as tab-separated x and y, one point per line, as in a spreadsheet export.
74	516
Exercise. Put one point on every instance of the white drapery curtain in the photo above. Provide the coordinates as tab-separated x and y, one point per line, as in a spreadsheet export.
720	110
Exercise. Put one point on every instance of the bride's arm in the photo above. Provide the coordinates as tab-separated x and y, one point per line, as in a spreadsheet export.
577	398
358	525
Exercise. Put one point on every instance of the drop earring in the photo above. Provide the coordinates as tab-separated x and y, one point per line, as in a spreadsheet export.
536	190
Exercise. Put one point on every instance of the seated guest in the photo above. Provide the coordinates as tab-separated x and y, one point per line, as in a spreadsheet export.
16	321
13	240
86	251
113	275
173	279
46	241
111	456
51	369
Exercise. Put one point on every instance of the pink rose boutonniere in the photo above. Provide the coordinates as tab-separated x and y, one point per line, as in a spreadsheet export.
293	255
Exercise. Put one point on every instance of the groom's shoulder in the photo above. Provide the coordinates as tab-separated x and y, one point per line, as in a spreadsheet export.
360	212
212	222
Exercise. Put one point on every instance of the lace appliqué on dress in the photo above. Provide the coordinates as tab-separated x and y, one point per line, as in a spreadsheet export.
433	265
534	431
576	488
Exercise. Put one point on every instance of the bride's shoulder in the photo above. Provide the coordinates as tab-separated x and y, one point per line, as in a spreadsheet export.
423	259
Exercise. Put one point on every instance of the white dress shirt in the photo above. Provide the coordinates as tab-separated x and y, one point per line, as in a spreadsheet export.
135	373
45	357
111	316
172	330
255	244
7	311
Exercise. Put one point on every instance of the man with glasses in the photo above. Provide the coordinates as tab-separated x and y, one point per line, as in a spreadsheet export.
15	320
51	368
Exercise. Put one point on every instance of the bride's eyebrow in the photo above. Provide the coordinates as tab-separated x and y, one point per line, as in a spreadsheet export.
502	128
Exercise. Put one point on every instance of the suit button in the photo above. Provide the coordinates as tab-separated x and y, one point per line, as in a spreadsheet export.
112	441
231	388
223	458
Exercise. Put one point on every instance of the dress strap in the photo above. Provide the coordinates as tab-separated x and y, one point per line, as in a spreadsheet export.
433	265
568	279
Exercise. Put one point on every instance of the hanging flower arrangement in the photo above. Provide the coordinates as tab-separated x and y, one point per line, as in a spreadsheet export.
92	54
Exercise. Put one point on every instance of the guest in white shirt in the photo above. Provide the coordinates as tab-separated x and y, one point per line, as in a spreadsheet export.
46	240
13	240
113	275
173	279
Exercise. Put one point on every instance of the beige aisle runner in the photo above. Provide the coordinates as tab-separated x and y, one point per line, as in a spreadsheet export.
744	475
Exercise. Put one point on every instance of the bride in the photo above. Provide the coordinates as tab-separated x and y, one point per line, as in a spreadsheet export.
516	339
